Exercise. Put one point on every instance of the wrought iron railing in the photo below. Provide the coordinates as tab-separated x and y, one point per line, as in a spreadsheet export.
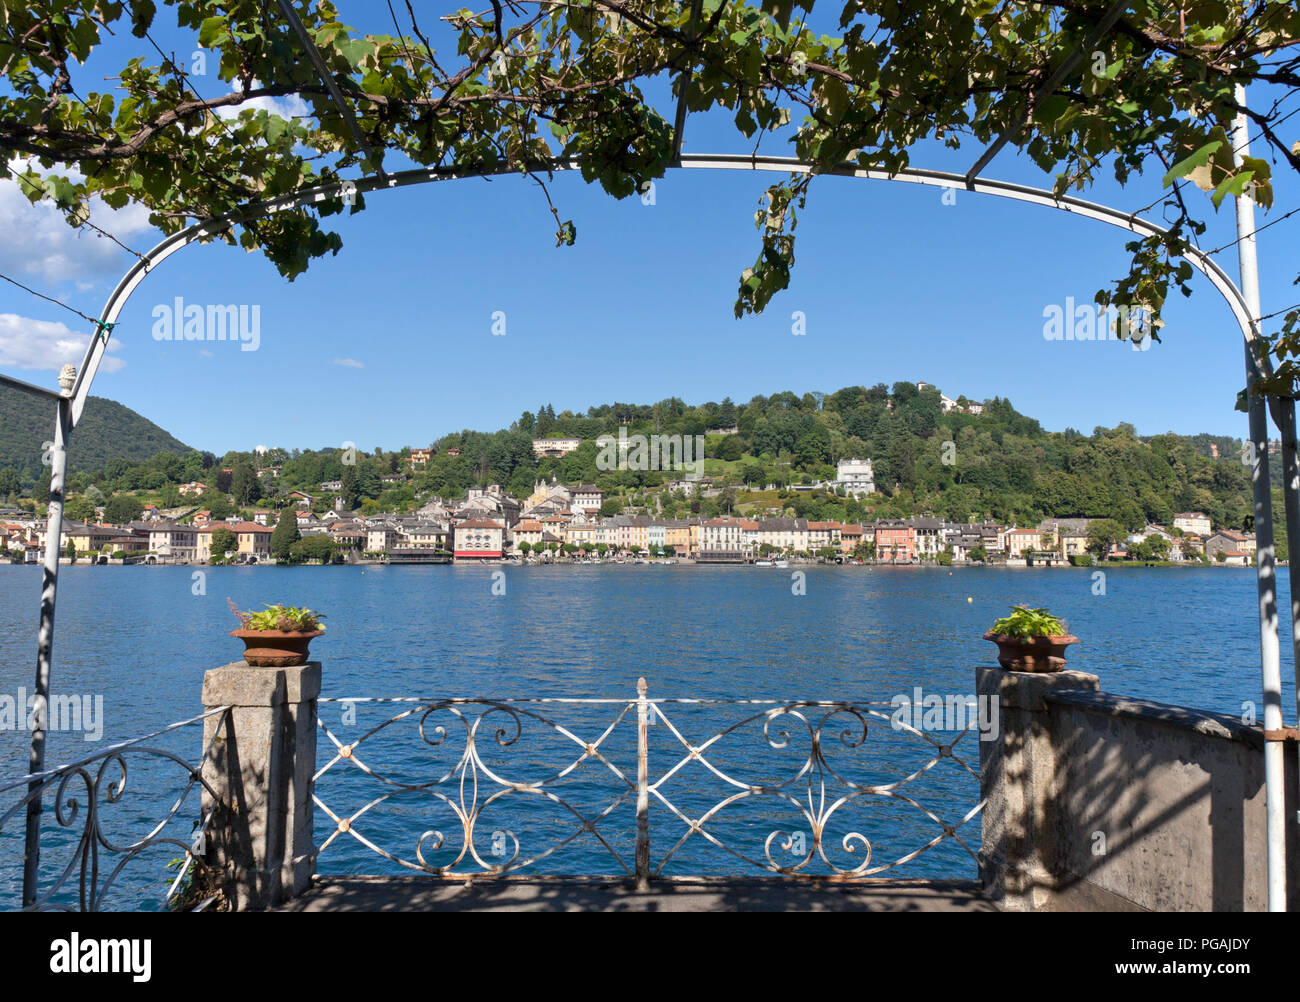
803	765
78	795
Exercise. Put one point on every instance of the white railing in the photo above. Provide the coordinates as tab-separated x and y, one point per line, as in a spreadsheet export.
90	802
808	765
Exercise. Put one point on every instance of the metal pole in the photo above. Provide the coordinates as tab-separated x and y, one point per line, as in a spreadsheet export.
45	643
1284	418
642	790
1269	651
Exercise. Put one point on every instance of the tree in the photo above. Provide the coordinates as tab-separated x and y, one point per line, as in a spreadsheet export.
1102	535
244	485
316	547
285	535
1159	88
348	493
79	507
223	542
70	551
10	482
525	547
121	509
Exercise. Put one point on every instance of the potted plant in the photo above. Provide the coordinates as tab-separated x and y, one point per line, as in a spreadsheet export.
1030	640
277	636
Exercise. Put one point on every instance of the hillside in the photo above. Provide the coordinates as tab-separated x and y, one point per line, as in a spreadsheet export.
961	463
107	430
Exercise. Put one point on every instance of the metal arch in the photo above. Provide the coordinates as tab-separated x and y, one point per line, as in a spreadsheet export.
1200	260
72	399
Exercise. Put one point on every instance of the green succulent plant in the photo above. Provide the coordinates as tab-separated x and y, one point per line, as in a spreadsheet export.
287	618
1024	623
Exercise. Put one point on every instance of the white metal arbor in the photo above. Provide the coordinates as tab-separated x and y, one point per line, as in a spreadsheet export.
75	387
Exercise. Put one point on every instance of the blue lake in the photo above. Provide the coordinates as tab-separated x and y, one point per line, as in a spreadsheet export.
141	638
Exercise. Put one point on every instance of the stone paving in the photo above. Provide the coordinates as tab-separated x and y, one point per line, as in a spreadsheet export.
424	894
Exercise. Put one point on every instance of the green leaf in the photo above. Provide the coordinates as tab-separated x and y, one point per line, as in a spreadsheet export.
1231	186
1184	167
212	32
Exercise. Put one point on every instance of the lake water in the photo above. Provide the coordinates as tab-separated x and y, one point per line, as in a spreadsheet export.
142	638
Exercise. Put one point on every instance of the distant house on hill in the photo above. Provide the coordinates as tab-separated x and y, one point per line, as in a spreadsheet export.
1193	521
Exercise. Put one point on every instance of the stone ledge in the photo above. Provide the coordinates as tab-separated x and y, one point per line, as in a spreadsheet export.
240	684
1023	690
1202	722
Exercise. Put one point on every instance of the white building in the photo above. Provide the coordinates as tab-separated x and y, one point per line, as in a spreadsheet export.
1193	521
555	447
855	476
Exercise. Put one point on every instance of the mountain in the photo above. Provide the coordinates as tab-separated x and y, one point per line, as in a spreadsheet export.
107	430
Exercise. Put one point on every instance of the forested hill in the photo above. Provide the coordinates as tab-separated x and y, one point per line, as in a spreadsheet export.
107	430
957	464
998	463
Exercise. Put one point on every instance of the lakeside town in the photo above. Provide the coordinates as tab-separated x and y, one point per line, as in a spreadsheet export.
563	523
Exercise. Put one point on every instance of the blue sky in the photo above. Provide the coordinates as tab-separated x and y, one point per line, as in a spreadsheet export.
391	343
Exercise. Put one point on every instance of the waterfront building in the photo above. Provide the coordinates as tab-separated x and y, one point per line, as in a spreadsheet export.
425	536
576	533
1021	541
677	534
1229	541
1075	544
929	536
254	541
528	530
721	541
479	539
783	534
349	535
895	542
175	542
381	537
822	535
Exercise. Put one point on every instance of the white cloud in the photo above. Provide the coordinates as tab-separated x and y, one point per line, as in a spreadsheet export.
39	242
44	344
289	106
350	363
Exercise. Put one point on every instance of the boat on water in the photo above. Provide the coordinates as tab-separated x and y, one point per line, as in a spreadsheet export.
762	563
781	563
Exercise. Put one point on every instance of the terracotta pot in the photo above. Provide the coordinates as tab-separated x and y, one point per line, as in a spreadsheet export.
275	648
1036	654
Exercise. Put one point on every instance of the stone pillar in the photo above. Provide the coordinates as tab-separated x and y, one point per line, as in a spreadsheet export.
261	764
1019	779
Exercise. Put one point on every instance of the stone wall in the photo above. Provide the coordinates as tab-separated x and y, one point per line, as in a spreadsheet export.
1098	801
